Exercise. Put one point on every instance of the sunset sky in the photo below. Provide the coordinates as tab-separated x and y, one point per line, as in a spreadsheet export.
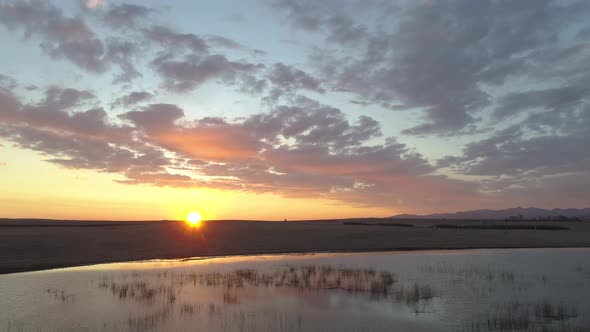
278	109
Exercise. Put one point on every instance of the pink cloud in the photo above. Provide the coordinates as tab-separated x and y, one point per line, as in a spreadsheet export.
94	3
307	150
214	143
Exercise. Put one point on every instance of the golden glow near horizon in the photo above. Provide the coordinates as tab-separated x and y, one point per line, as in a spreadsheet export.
55	192
194	219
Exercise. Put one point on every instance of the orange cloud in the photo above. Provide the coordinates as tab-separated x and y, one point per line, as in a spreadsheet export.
214	143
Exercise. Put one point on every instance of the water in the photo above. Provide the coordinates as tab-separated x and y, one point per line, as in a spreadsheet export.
470	290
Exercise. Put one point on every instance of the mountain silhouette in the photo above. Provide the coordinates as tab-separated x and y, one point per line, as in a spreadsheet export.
526	213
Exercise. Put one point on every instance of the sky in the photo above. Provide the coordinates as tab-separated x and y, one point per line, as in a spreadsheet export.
302	109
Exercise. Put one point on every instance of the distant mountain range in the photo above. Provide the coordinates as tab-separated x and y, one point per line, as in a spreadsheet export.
526	213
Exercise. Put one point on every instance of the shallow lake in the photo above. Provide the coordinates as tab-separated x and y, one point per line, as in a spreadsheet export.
462	290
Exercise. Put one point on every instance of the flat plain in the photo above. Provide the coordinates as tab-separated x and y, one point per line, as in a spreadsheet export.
27	245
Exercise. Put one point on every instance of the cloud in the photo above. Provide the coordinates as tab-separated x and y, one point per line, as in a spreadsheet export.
91	4
552	98
132	99
175	41
183	61
536	161
335	18
304	149
9	105
516	155
56	113
221	41
423	193
74	138
62	37
125	15
228	43
63	98
510	77
70	38
290	78
189	73
7	82
208	140
309	122
366	164
80	152
446	59
154	116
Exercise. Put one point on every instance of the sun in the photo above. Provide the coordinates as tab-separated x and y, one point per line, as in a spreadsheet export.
194	219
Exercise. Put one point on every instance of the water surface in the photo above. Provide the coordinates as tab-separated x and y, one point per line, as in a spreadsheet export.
465	290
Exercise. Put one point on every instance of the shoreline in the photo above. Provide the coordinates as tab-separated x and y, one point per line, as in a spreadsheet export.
340	251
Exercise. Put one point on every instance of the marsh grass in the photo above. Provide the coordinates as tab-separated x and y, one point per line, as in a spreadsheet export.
230	298
60	295
15	326
516	316
513	316
414	294
551	312
140	291
150	320
329	278
490	273
226	312
302	278
188	309
165	287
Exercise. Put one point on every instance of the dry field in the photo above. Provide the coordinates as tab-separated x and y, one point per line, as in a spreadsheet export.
27	245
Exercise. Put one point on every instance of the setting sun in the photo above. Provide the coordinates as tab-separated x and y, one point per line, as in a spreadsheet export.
194	219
